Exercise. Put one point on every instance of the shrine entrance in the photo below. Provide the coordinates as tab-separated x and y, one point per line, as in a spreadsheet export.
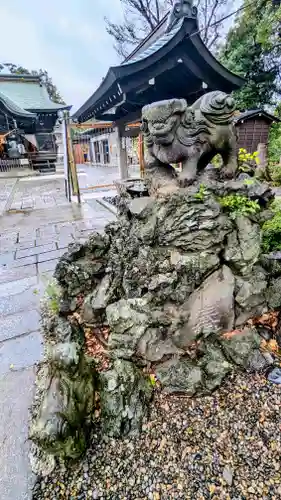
96	153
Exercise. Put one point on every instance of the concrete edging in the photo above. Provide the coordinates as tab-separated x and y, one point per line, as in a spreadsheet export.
107	205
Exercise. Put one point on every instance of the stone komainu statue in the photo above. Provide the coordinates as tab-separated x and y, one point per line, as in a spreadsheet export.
192	135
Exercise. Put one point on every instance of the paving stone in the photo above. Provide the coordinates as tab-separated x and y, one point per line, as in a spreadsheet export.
7	243
49	265
24	296
47	232
24	236
6	258
16	393
46	241
12	236
35	250
21	352
16	274
25	244
51	255
17	287
64	242
18	324
24	261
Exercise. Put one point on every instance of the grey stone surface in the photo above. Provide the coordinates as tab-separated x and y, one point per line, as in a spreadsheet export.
17	287
15	274
18	324
55	254
16	392
180	375
239	348
274	294
250	295
24	261
21	352
64	242
124	399
6	258
210	307
35	250
18	296
30	235
215	366
49	265
137	205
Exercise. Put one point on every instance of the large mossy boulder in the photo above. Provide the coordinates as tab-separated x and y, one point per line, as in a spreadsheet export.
171	279
175	271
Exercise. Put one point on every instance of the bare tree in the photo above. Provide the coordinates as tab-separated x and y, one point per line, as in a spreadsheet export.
142	16
210	15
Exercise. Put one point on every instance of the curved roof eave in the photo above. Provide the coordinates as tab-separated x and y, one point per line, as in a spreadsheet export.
14	109
51	110
105	85
186	28
132	66
235	80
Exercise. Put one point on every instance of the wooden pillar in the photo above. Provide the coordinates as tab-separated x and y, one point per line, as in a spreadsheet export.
122	153
141	155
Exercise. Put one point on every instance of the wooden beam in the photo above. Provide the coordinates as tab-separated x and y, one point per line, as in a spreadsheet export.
122	153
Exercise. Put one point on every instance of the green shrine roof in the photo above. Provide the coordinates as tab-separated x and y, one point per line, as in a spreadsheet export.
26	93
14	109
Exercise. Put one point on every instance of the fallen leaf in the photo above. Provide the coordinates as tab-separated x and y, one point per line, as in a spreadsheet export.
162	444
262	417
273	346
212	489
228	335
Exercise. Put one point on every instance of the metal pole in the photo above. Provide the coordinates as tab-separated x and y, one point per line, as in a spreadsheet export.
66	159
73	168
141	155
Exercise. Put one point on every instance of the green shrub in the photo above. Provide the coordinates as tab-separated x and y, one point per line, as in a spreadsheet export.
53	294
236	204
217	161
275	174
271	233
202	193
274	146
247	161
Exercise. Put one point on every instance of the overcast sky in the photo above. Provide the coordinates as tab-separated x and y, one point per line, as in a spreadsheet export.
65	37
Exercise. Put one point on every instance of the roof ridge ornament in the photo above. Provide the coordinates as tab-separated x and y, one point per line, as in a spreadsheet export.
181	9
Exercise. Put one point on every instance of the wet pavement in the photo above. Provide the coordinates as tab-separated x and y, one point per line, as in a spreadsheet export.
34	233
97	176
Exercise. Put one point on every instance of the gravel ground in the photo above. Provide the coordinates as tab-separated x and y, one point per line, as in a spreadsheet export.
226	446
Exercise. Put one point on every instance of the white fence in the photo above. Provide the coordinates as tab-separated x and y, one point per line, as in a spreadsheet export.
13	164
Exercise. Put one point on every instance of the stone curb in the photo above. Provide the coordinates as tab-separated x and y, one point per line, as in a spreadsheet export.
107	205
10	197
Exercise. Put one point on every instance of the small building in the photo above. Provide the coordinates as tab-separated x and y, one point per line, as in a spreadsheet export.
97	143
253	128
28	115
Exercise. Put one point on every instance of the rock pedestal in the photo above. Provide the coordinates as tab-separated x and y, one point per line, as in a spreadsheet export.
176	280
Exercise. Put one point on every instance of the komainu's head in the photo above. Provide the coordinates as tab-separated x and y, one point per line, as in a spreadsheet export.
160	120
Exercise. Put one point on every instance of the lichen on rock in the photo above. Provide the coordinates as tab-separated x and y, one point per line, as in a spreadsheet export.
125	394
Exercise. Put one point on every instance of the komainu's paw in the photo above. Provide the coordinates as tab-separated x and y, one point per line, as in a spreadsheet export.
228	172
185	180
